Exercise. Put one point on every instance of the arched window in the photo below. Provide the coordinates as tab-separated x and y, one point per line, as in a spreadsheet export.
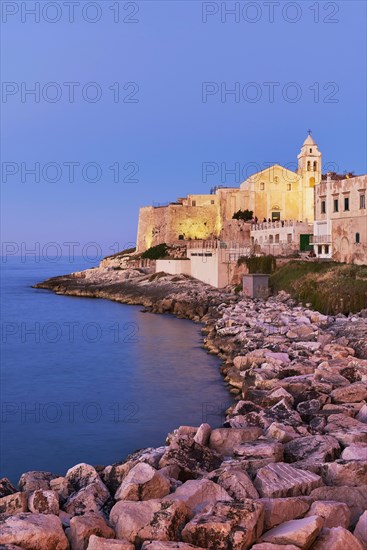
315	166
310	150
308	165
358	238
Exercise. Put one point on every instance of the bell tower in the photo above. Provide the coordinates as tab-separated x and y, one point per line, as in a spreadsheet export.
309	163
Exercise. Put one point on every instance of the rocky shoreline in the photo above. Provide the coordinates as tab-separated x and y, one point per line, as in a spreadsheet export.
288	469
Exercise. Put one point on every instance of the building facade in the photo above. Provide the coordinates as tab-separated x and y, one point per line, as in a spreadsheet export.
276	193
340	226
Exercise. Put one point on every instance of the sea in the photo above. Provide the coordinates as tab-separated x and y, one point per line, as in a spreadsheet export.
90	380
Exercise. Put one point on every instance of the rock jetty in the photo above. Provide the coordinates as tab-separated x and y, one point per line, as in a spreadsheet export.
287	471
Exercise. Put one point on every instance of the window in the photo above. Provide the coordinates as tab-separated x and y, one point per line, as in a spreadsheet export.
308	165
310	150
336	205
262	186
319	249
276	179
346	204
326	249
181	237
289	187
358	238
362	201
323	207
193	203
315	166
277	238
212	202
289	237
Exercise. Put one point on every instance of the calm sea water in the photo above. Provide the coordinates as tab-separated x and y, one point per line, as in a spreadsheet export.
86	380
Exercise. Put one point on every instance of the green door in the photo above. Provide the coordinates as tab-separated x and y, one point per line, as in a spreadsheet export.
304	242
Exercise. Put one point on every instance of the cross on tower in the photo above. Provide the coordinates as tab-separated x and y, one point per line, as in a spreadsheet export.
309	132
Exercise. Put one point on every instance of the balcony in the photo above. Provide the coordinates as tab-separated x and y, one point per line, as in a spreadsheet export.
320	239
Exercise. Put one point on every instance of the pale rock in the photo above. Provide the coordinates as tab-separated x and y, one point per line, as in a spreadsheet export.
360	530
198	493
358	451
224	440
44	502
223	525
203	434
82	527
31	481
354	497
279	510
277	395
352	473
337	538
91	498
335	514
98	543
33	531
81	475
350	394
235	481
309	346
281	432
148	520
281	480
300	532
283	413
143	483
270	546
262	448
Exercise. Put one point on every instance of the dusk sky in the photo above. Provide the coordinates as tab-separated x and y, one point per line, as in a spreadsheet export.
167	121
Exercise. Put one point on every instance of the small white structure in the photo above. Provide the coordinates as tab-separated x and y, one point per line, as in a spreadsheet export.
173	266
256	285
281	237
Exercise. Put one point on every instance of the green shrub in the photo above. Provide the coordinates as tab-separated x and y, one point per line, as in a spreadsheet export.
244	215
259	264
156	252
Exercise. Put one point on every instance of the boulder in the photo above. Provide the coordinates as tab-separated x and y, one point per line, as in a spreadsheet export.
112	476
224	440
44	502
159	545
31	531
143	483
315	449
358	451
99	543
14	503
31	481
300	532
340	472
223	525
194	460
354	497
281	432
91	498
360	530
335	514
350	394
260	449
62	487
337	538
362	414
270	546
6	487
148	520
203	434
281	480
235	481
279	510
346	430
81	475
198	493
82	527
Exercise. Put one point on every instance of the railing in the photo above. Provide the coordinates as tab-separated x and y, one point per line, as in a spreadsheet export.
320	239
278	225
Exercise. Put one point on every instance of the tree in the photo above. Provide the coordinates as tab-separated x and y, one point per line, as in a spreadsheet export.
244	215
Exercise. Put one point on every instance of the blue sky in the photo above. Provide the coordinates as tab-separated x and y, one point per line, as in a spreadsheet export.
162	129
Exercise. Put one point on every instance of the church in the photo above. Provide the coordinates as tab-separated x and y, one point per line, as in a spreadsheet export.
276	193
